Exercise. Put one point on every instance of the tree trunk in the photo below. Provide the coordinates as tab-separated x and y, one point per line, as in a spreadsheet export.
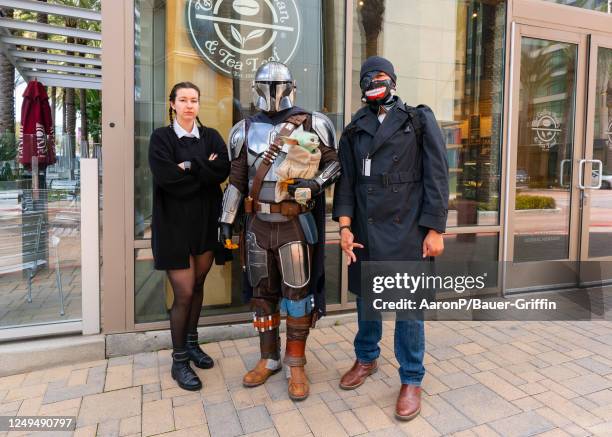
83	110
7	89
83	104
53	105
64	111
43	19
371	15
84	131
70	139
70	103
71	108
371	46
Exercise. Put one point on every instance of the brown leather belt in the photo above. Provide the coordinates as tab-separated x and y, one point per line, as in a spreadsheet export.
286	208
266	323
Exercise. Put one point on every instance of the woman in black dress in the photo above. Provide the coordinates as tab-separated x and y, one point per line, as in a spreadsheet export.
188	161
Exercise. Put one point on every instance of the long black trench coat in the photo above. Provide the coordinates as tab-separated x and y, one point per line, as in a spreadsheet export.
407	193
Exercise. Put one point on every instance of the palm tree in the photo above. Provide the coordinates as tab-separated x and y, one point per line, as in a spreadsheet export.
70	103
63	103
70	106
83	107
43	19
371	13
53	104
7	89
84	124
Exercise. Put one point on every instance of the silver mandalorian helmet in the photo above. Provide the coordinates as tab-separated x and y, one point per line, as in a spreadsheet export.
273	87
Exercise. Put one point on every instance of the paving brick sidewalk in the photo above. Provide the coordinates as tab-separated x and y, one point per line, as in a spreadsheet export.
483	378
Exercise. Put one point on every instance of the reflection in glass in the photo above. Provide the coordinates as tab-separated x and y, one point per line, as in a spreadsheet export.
594	5
449	55
164	55
223	292
149	101
467	247
333	268
600	230
544	150
481	247
153	293
40	239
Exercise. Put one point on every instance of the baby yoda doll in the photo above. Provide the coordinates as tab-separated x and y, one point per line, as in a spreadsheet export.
302	161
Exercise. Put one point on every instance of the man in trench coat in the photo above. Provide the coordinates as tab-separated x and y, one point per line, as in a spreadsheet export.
391	202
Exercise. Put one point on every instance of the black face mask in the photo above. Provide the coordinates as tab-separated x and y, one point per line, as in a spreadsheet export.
376	92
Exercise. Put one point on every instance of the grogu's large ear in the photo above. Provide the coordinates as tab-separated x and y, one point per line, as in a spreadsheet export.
290	140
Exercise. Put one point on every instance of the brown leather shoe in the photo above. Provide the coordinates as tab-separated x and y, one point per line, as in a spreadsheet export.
298	384
358	374
408	402
259	374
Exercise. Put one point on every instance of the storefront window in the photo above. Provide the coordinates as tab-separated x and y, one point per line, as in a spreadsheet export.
594	5
600	229
449	55
545	148
40	229
218	46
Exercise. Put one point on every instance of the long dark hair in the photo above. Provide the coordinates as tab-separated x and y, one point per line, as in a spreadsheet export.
172	98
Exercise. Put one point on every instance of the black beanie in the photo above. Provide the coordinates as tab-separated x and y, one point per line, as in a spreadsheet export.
377	63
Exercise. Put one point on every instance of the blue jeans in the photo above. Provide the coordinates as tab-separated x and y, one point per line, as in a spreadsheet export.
409	345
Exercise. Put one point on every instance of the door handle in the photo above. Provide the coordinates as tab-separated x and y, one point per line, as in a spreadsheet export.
562	166
581	167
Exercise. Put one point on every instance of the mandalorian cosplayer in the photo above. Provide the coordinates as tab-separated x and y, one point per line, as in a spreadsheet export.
281	239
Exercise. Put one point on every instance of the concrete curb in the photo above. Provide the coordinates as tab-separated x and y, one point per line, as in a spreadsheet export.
27	356
150	341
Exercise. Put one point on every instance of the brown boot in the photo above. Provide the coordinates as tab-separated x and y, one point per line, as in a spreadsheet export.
408	402
295	356
266	320
357	375
260	373
297	386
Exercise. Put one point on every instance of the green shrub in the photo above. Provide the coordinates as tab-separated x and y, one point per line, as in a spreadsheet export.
490	205
8	146
526	201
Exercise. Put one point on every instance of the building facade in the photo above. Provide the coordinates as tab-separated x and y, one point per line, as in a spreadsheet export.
522	90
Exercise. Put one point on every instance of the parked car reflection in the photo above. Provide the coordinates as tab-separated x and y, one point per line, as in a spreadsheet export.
522	177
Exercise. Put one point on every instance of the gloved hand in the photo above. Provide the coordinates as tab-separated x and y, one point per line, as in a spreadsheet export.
313	185
225	235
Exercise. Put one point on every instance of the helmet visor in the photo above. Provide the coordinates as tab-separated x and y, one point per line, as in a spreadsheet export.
273	92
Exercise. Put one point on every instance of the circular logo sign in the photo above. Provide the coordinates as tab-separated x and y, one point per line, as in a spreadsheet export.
546	128
235	37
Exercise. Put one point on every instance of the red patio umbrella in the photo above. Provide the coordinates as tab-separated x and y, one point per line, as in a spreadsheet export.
36	127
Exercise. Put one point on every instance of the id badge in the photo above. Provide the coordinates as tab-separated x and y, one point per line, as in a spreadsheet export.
367	164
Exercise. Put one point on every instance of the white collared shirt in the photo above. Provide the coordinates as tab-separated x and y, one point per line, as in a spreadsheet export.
381	115
180	132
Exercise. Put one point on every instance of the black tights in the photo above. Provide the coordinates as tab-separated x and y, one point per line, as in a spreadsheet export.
188	288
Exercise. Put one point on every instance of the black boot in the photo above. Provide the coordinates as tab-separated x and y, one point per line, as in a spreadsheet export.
182	372
200	358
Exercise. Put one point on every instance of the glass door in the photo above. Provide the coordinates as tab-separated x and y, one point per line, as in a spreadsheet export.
546	151
596	237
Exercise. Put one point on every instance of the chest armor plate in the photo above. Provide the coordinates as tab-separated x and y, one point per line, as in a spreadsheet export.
259	137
